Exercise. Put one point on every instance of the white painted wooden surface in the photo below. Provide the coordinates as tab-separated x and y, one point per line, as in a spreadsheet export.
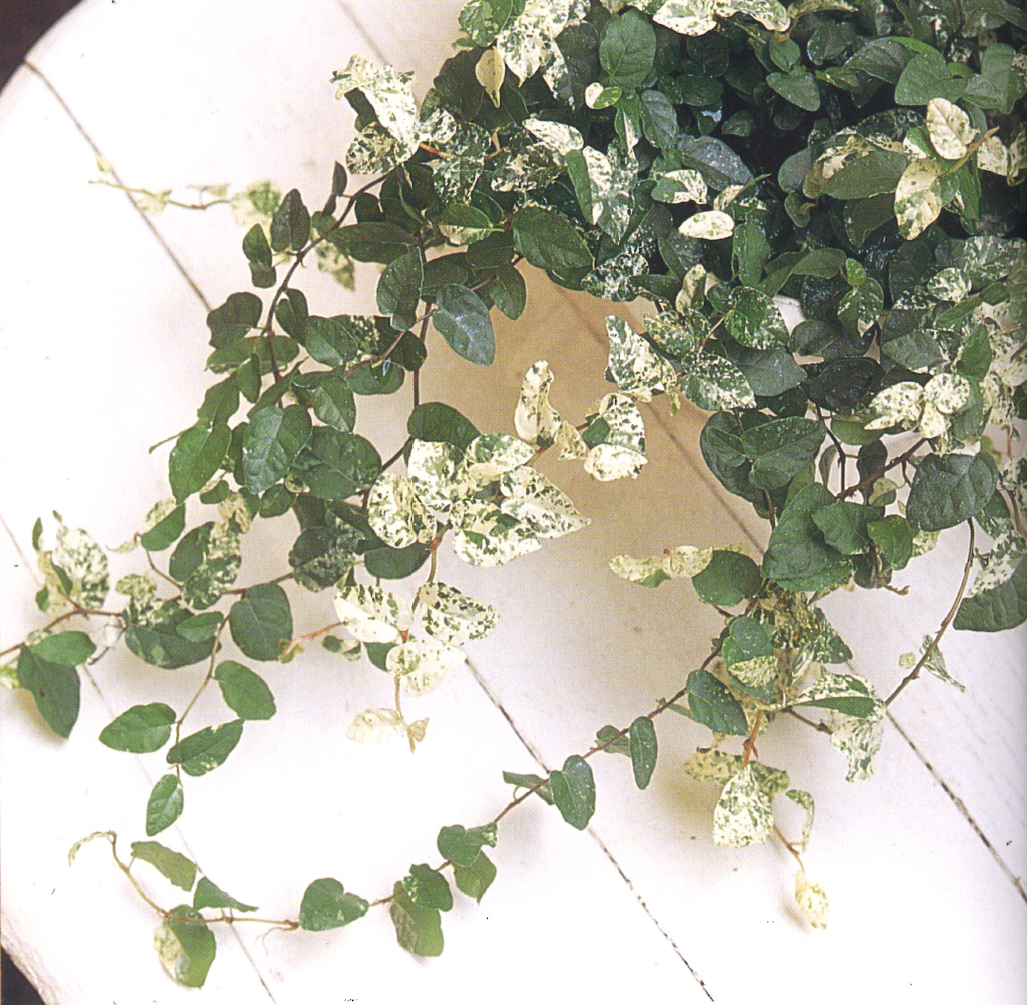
102	341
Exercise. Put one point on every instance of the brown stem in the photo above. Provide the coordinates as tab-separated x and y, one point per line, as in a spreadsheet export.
915	672
871	478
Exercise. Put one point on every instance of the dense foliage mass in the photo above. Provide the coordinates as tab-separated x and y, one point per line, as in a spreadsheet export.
864	158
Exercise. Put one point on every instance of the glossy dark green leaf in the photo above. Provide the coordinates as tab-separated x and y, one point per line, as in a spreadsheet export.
330	398
202	627
337	464
245	692
659	119
234	319
261	621
165	532
290	226
714	706
715	161
384	377
549	240
627	49
291	313
418	929
462	318
70	649
189	553
186	949
331	341
160	644
326	905
797	557
998	608
844	526
373	241
173	865
271	442
209	894
427	887
728	579
441	423
141	730
948	489
399	288
195	457
798	86
256	249
927	76
781	448
643	749
543	790
206	749
54	687
574	791
461	846
165	804
395	563
475	879
508	292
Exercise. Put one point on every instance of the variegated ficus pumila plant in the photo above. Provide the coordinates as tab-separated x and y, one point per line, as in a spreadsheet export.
865	158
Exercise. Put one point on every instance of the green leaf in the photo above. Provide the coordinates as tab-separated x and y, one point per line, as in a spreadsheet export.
844	526
335	464
206	749
998	608
202	627
574	791
427	887
508	292
799	87
331	401
270	444
475	879
781	448
627	49
165	532
893	538
797	557
948	489
659	119
257	250
173	865
195	457
615	741
543	791
372	241
714	706
160	644
754	319
208	894
843	693
643	748
549	240
186	949
749	655
141	730
70	649
728	579
261	622
436	422
927	76
483	20
54	687
336	341
291	313
233	320
245	692
290	226
462	846
462	318
325	905
165	804
418	929
399	288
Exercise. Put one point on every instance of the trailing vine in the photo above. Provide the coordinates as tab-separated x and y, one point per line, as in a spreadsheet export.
710	156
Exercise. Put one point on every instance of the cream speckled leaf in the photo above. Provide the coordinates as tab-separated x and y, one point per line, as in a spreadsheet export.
935	663
859	740
421	665
742	816
999	564
85	563
947	392
769	13
157	513
432	470
372	614
535	420
490	71
805	800
684	185
396	514
217	569
812	900
493	454
712	766
388	92
755	673
538	505
693	288
375	151
833	685
528	43
452	617
142	591
558	136
611	185
375	726
898	405
949	128
675	563
486	536
949	284
994	156
714	383
709	225
917	199
634	365
622	452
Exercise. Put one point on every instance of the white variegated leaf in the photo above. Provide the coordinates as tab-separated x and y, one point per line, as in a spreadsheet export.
812	900
492	454
558	136
859	740
710	225
375	726
742	816
372	614
635	366
420	665
535	420
622	453
388	92
675	563
484	535
85	564
528	43
805	800
712	766
949	128
396	514
917	198
898	405
490	71
453	617
432	469
538	505
947	392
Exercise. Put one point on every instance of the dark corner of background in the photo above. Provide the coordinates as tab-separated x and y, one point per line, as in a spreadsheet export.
22	22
